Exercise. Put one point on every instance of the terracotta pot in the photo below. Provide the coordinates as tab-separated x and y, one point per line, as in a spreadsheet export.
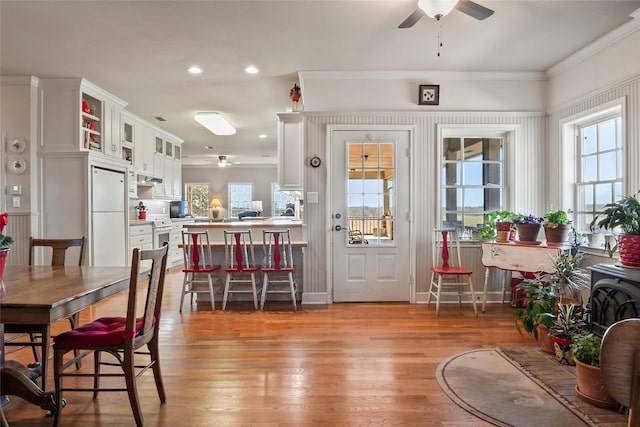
295	97
503	226
546	343
528	232
629	249
503	236
557	236
591	387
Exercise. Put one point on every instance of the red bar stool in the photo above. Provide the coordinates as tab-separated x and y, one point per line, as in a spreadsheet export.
277	267
241	266
198	266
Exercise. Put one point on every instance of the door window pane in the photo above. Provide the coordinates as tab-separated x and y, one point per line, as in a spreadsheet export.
370	196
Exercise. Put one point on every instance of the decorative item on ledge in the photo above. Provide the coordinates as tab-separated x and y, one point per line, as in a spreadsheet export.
215	206
142	211
294	95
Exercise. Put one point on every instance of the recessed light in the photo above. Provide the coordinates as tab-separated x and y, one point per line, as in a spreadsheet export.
251	69
209	147
195	69
262	136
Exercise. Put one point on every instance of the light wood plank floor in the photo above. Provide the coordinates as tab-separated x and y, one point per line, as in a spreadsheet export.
346	365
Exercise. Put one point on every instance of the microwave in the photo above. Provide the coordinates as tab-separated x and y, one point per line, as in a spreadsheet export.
178	209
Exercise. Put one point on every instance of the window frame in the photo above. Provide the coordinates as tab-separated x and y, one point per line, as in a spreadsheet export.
230	210
570	132
508	133
188	198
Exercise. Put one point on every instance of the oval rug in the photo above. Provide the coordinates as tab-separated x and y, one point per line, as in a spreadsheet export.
490	387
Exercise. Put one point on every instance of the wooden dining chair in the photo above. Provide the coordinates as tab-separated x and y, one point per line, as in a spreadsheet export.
125	338
37	335
241	269
277	266
198	266
447	271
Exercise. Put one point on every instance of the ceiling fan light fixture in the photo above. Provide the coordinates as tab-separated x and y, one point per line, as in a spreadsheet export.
215	123
437	8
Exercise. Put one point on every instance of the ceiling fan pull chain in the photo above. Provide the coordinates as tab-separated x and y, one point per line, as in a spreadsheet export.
439	37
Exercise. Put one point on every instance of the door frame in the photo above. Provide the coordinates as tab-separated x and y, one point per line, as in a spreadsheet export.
331	128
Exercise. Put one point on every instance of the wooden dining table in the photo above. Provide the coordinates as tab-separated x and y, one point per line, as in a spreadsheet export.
38	296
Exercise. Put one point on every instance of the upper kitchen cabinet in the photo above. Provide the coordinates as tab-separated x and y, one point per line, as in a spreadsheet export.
80	116
290	151
167	165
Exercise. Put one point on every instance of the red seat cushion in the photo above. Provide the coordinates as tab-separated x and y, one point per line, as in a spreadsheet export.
451	270
103	332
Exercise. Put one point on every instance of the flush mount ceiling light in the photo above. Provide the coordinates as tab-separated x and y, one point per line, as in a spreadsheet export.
251	69
195	69
437	8
215	123
262	136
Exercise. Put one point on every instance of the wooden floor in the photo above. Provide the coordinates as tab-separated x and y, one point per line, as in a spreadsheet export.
347	365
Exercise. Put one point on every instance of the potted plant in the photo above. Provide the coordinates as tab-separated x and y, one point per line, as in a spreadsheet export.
528	227
498	225
556	227
623	215
586	354
568	277
568	323
540	301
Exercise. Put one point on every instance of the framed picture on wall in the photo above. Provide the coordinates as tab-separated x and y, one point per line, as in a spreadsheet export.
429	95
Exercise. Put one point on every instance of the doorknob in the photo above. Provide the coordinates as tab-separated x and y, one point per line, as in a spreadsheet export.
338	228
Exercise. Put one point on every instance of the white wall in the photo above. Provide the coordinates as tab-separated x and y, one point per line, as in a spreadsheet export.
18	119
260	176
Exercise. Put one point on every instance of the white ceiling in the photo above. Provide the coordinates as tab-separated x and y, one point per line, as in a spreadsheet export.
139	51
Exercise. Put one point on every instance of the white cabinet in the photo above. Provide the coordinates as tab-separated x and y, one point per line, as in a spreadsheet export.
175	257
141	237
129	137
290	151
80	116
132	185
177	179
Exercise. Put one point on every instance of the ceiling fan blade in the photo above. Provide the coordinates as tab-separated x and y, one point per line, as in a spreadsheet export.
412	19
474	9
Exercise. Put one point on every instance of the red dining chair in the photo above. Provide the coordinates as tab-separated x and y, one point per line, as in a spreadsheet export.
446	270
277	266
198	266
125	338
241	268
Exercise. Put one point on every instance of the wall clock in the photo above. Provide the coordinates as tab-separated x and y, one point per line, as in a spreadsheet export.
315	161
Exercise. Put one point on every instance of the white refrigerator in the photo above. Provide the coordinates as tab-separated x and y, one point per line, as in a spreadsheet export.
108	215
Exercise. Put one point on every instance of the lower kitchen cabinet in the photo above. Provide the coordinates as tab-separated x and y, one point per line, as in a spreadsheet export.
141	237
175	257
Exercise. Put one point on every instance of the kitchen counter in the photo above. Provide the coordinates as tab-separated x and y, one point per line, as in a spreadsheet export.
216	229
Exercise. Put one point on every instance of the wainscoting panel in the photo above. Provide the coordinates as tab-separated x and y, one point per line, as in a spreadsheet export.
19	228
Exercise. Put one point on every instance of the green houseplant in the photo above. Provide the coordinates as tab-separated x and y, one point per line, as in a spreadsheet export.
556	227
497	221
528	228
540	300
585	350
568	323
623	215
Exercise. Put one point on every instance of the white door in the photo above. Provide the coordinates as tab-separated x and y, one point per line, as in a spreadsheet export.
370	215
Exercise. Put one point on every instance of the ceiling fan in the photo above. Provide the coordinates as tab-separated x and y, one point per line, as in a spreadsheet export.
438	8
223	162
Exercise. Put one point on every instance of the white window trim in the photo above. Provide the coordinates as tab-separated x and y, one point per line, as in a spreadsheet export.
509	133
569	132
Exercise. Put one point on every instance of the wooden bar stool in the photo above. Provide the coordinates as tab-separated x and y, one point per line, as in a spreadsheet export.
277	267
240	266
198	266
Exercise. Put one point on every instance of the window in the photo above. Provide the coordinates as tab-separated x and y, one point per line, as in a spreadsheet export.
239	198
472	177
281	201
598	166
197	199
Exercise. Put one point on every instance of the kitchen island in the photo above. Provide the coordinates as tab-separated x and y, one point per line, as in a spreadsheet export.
215	230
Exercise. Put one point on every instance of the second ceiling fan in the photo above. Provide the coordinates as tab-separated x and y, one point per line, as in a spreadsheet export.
439	8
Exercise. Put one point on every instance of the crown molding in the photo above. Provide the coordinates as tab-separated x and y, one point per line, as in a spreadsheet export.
597	46
19	81
424	75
